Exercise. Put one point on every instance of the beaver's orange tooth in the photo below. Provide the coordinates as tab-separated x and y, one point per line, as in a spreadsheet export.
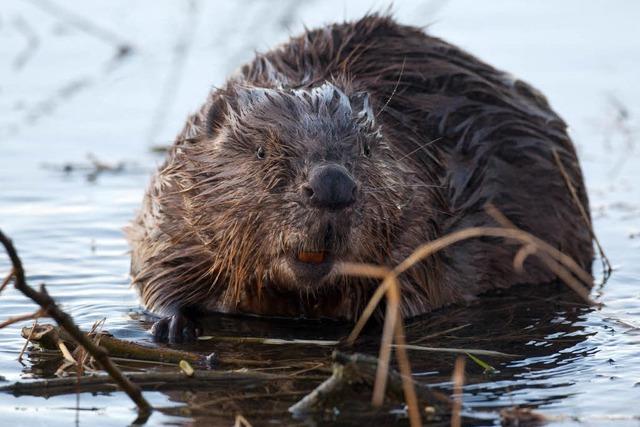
311	257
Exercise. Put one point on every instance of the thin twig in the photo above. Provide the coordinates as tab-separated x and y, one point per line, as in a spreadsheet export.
28	340
66	353
268	341
390	319
96	334
552	257
458	382
246	396
6	280
82	24
559	263
606	265
241	422
440	333
372	271
44	300
350	371
563	262
21	318
522	255
305	370
408	387
32	40
479	352
394	330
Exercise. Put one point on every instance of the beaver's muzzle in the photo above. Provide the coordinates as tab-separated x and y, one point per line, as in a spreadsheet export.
331	187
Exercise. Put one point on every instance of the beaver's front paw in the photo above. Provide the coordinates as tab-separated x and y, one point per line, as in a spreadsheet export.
175	329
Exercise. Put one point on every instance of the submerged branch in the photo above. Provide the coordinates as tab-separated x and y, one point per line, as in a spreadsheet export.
47	336
352	370
201	379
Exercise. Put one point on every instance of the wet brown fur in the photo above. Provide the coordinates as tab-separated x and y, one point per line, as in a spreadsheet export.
449	133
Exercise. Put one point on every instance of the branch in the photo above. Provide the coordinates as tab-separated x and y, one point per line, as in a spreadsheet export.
6	281
559	263
65	321
458	382
351	370
22	317
564	266
47	336
201	379
606	264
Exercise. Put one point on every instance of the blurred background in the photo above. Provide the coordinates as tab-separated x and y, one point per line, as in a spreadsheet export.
91	91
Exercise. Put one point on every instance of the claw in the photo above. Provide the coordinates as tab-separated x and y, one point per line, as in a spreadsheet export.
175	329
160	329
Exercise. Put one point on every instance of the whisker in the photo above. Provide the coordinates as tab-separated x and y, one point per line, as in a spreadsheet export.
381	189
407	186
393	92
421	147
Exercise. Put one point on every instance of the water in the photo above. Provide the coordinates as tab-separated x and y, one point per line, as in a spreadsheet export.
66	93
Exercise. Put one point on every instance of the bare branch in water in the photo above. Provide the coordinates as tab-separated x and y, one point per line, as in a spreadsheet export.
47	336
349	370
21	318
6	280
48	305
27	340
152	380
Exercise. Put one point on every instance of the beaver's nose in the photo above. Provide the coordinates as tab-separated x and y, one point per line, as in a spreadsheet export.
330	187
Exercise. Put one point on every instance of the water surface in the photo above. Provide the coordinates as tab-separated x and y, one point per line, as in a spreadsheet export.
112	89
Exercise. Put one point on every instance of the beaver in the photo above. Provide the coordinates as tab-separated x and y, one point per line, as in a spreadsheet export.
354	142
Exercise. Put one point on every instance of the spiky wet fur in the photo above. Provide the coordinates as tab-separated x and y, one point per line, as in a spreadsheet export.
447	134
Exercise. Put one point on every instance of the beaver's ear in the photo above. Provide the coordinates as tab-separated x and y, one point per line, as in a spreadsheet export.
216	114
361	107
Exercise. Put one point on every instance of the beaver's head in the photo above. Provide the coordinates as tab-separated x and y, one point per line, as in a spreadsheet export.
288	183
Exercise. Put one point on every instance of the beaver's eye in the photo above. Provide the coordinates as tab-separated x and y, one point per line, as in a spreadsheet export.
261	153
366	149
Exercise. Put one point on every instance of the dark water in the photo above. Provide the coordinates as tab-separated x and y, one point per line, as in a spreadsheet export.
69	90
